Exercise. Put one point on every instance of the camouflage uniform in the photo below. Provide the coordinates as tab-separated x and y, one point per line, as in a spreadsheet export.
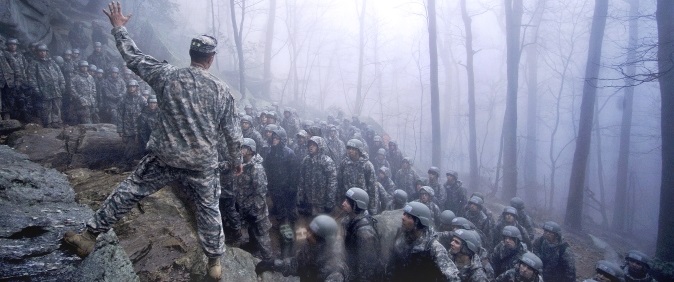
147	121
99	59
18	99
482	223
440	194
317	181
496	238
455	197
127	126
423	259
379	163
359	174
113	92
48	85
386	182
281	167
558	260
251	189
445	238
361	243
83	93
513	275
395	158
291	125
253	134
184	146
527	222
503	259
6	83
337	149
474	272
405	179
385	198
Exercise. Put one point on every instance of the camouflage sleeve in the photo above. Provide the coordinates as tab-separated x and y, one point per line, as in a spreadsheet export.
146	67
61	78
231	131
331	172
260	181
444	264
569	264
32	77
300	183
366	255
371	188
73	88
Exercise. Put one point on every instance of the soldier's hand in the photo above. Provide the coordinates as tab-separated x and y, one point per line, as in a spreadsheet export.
238	170
115	14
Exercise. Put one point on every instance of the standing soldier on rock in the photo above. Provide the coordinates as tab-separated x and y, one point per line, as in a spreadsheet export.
395	157
147	121
6	86
127	126
317	180
48	85
357	171
113	91
18	95
198	115
83	93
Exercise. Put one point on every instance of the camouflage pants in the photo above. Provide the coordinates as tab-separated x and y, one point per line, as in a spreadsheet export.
152	174
256	215
17	104
85	115
49	111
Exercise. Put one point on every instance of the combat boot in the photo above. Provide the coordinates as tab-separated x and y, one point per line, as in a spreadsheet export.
83	243
214	269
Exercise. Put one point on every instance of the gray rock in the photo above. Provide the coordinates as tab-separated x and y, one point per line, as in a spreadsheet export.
9	126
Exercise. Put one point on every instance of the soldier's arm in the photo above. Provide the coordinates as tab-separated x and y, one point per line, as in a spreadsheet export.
230	130
443	263
370	187
331	170
260	181
61	78
146	67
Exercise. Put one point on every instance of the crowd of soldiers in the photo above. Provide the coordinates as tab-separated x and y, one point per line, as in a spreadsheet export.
67	89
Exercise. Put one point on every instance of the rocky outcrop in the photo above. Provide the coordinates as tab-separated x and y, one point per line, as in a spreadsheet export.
37	206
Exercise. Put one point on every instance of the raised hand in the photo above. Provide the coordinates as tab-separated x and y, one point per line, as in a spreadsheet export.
115	14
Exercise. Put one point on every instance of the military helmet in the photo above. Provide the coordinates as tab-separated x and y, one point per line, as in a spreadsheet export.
281	133
93	67
462	223
128	71
271	114
59	60
639	257
247	106
250	143
302	133
102	71
247	119
355	143
152	99
68	52
476	200
97	44
446	217
270	127
517	203
42	47
478	194
553	227
452	173
510	210
132	82
76	51
428	190
420	211
408	160
400	195
114	69
470	239
381	151
377	138
12	41
610	269
83	63
532	261
324	226
435	170
359	196
512	232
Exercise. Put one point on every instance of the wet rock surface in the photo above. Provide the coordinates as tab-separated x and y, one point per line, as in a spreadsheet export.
37	206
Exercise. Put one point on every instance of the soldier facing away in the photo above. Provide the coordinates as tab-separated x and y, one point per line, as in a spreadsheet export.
203	118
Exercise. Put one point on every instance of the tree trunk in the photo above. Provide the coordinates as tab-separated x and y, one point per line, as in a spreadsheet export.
663	15
358	107
269	40
435	90
238	37
626	125
470	71
600	169
513	13
574	205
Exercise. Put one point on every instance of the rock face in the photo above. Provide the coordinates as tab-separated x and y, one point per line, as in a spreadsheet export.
37	206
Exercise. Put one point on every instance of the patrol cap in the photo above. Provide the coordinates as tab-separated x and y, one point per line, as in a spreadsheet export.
204	44
152	99
97	44
42	47
13	41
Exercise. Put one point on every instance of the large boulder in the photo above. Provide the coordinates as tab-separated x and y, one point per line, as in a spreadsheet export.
37	206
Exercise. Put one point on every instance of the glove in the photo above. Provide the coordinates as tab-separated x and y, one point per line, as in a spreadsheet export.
262	266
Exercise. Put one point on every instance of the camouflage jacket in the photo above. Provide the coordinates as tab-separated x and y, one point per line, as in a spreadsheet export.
113	91
503	259
385	198
420	259
440	194
68	68
6	72
558	260
455	197
498	228
512	275
445	238
101	60
324	261
388	184
337	149
147	121
46	79
377	163
197	112
318	178
481	222
255	135
129	111
251	185
527	222
291	125
361	242
83	91
18	64
405	180
359	174
474	272
395	158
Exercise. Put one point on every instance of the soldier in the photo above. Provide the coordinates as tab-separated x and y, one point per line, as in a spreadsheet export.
464	249
48	85
300	145
147	121
508	251
522	217
98	57
377	143
68	68
76	55
83	93
528	269
406	177
607	271
357	171
250	112
317	180
637	267
267	134
509	217
18	99
434	182
426	195
128	75
198	110
487	212
380	159
290	123
416	254
335	145
445	238
455	193
475	215
399	199
557	256
262	121
249	131
251	190
113	91
320	258
130	107
281	167
445	221
6	85
361	240
395	157
384	177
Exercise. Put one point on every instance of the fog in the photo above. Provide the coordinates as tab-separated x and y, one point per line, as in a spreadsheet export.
314	68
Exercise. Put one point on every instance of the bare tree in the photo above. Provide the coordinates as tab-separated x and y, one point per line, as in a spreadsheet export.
358	107
269	40
513	15
238	41
470	72
435	90
663	16
574	205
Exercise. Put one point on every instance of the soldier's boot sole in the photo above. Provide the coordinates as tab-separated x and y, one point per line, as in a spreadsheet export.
214	269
